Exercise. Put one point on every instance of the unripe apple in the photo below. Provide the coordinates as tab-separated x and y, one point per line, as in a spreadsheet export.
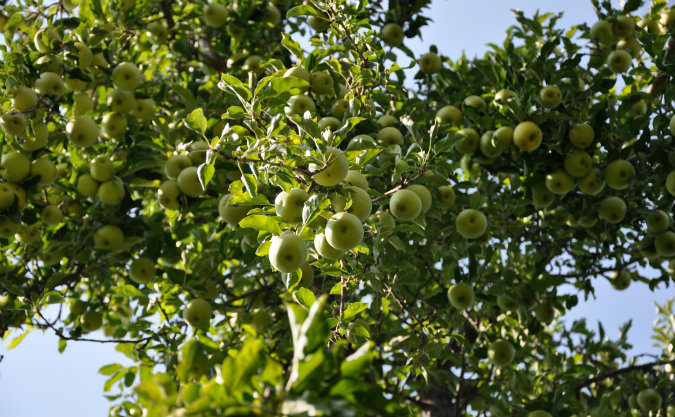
362	204
405	205
461	295
619	61
667	17
126	76
24	99
101	168
298	72
386	120
541	196
559	182
76	306
392	34
111	192
46	39
15	167
487	146
231	213
142	270
289	204
108	238
430	63
383	222
44	169
503	138
82	131
539	413
324	249
82	104
321	82
424	195
672	125
254	64
664	244
113	125
476	102
620	280
550	96
578	164
307	278
449	115
91	321
344	231
8	228
318	23
287	252
623	26
507	303
300	104
121	101
649	400
501	352
471	223
50	84
188	182
612	209
361	142
20	195
631	45
6	196
505	96
215	15
51	215
175	164
13	123
86	185
446	195
50	63
638	109
601	27
330	123
144	108
334	169
198	151
469	142
38	140
592	183
340	108
527	136
168	194
619	174
545	313
356	179
582	135
657	221
390	135
197	313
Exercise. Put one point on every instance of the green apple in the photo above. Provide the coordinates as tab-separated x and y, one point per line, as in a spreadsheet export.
254	64
13	123
38	140
623	26
287	252
333	170
289	204
86	185
545	313
390	135
578	164
108	238
501	352
340	108
121	101
650	25
50	63
430	63
476	102
657	221
142	270
505	96
469	141
144	108
361	142
324	249
587	221
101	168
298	72
387	120
188	182
8	228
51	215
664	244
320	82
344	231
601	27
330	123
198	151
362	205
649	400
76	306
113	125
318	23
612	209
46	39
541	196
157	33
471	223
6	196
15	166
175	164
507	303
24	98
126	76
619	61
84	55
503	137
672	125
44	169
449	115
631	45
111	192
31	234
620	280
392	34
582	135
559	182
168	194
357	179
527	136
667	17
424	195
619	174
487	146
91	321
50	84
550	96
405	205
300	104
82	131
539	413
215	15
383	222
20	195
592	183
461	295
197	312
446	195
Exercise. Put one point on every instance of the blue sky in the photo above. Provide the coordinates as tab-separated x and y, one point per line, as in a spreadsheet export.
37	381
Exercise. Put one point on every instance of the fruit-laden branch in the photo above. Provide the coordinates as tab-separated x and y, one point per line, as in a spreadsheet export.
662	77
301	170
617	372
400	186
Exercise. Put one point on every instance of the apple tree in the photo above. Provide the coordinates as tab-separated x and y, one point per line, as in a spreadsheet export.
277	208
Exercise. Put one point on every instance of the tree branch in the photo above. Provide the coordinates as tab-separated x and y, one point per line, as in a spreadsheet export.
617	372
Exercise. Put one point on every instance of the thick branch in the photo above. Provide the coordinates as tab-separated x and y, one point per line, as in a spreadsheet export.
617	372
662	77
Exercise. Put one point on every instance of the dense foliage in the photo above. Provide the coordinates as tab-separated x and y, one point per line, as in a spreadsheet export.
269	215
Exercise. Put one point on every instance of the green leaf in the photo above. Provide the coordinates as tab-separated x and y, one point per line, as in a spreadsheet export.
313	207
15	342
292	280
304	297
293	47
196	121
632	5
62	345
303	10
261	222
231	84
205	173
354	309
110	369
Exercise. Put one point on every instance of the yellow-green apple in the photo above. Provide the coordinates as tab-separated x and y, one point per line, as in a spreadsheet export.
623	26
383	222
38	140
469	141
388	136
476	102
319	23
91	321
287	252
168	194
503	137
449	115
559	182
215	15
619	174
76	306
300	104
638	109
175	164
356	179
307	278
121	101
101	168
324	249
664	244
188	182
507	303
539	413
142	270
51	215
550	96
471	223
578	164
631	45
320	82
619	61
15	166
344	231
6	196
461	295
197	312
82	103
113	125
620	280
392	34
581	135
527	136
333	169
254	64
430	63
612	209
30	234
592	183
541	196
657	221
329	122
386	120
50	63
198	151
362	204
601	27
13	123
505	96
50	84
111	192
446	195
82	131
109	238
44	169
501	352
24	98
649	400
361	142
8	228
86	185
126	76
144	108
339	108
424	195
289	204
545	313
405	205
46	39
